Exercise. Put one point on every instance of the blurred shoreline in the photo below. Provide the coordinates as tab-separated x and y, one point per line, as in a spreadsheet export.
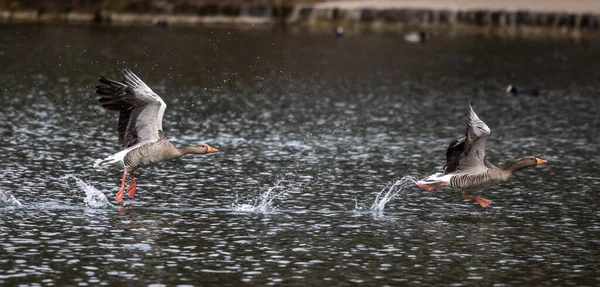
535	17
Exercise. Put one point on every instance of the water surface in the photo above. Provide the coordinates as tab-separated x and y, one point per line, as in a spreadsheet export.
324	125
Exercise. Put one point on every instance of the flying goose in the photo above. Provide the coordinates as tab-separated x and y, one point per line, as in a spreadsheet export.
140	127
467	167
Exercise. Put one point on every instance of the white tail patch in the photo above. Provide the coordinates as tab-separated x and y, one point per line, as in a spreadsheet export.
115	158
436	178
100	162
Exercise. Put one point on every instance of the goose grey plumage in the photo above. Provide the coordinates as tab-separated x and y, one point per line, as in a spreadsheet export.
140	127
467	167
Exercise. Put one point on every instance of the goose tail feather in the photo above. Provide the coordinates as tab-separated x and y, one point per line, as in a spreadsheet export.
434	181
101	162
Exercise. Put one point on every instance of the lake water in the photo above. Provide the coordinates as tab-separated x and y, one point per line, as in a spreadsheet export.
310	129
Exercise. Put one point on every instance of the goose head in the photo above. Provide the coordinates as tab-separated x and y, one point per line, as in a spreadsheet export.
202	149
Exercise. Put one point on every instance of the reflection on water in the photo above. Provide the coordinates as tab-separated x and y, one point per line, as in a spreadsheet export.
339	118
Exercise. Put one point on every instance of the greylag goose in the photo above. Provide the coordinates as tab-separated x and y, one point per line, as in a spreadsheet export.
140	127
521	91
467	167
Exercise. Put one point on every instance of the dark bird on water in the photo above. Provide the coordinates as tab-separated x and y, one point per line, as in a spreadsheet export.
161	24
521	91
467	167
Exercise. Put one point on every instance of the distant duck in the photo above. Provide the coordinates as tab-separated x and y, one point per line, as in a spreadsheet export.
521	91
140	127
160	24
415	37
338	32
467	167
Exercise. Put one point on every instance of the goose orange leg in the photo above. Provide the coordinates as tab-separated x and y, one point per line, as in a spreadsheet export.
119	195
132	186
482	201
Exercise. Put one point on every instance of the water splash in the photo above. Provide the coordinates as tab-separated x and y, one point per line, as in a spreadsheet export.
93	197
390	192
7	199
360	208
264	203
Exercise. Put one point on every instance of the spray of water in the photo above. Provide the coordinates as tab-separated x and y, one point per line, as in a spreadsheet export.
389	192
93	197
264	203
7	199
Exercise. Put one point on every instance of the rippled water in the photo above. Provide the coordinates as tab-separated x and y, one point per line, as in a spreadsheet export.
310	130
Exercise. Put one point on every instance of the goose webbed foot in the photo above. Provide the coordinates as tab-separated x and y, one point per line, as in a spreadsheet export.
132	186
482	201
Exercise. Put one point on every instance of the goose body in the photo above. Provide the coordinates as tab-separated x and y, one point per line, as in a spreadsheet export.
140	127
467	167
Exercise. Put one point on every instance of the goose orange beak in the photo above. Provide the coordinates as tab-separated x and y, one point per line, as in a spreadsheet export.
539	161
211	150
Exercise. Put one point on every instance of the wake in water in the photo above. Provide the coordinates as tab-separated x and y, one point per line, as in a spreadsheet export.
389	192
264	203
93	197
7	199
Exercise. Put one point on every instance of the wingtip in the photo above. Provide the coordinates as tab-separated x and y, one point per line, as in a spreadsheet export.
128	75
472	113
128	72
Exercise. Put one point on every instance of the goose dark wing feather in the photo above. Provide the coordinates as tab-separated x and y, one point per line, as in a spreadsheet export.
454	153
127	137
140	109
113	95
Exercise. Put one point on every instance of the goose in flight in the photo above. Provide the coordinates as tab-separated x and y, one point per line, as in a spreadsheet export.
467	167
140	128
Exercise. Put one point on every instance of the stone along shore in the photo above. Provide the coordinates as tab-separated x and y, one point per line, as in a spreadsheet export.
539	15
